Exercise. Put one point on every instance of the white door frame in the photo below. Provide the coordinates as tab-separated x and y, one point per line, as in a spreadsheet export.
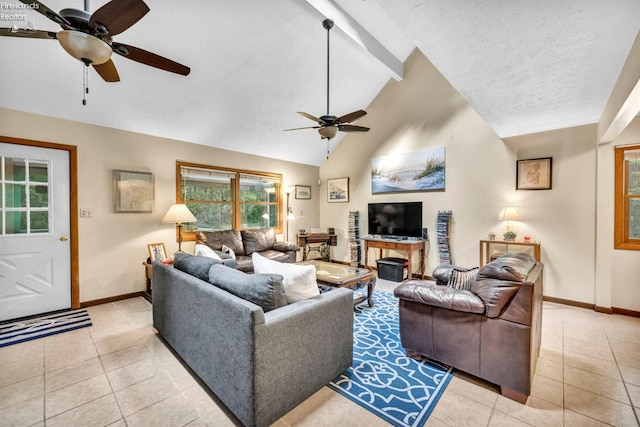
73	206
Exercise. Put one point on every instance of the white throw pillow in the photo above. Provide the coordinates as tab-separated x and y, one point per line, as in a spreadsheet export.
299	280
204	250
227	250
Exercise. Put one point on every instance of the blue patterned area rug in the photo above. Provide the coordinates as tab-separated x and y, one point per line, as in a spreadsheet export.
382	379
22	330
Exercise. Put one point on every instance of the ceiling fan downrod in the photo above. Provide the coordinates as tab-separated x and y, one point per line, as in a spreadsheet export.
328	25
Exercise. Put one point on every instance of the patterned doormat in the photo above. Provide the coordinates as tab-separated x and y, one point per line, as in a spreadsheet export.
382	379
18	331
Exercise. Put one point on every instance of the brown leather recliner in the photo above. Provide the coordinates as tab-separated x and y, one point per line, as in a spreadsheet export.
243	243
491	331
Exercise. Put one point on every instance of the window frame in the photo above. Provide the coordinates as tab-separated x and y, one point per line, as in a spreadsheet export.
621	201
236	203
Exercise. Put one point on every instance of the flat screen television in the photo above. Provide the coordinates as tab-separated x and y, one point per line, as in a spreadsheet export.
401	219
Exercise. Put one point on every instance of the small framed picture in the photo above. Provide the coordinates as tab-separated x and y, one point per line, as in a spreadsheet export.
157	252
303	191
133	191
533	174
338	190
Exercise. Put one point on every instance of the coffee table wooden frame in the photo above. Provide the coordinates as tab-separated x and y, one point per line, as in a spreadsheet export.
357	279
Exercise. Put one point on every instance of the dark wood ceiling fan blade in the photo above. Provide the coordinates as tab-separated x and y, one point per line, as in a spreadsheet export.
31	34
309	116
117	15
148	58
348	118
108	71
41	8
308	127
353	128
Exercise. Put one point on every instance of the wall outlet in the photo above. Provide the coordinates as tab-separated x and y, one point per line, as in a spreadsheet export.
86	213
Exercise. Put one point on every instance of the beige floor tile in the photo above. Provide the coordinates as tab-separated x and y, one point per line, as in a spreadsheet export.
133	373
458	410
19	353
127	339
200	399
586	362
22	391
124	357
549	369
537	412
603	386
100	412
627	353
360	417
141	319
324	408
15	372
62	342
634	394
72	356
432	421
598	407
73	374
547	389
630	375
584	347
220	417
499	419
21	414
474	388
119	423
109	330
77	394
145	393
173	411
574	419
133	305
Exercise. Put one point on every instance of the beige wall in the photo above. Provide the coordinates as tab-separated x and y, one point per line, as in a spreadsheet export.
424	111
114	245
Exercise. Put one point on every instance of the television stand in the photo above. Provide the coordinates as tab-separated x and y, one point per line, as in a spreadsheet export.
396	244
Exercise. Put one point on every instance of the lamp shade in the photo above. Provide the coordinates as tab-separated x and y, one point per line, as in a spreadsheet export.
179	213
510	213
84	47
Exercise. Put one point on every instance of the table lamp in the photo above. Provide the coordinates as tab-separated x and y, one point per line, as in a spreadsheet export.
509	213
178	214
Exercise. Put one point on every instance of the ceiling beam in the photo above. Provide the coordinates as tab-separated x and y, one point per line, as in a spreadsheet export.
350	26
624	103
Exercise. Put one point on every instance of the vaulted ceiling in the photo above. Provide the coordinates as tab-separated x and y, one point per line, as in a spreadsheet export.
525	66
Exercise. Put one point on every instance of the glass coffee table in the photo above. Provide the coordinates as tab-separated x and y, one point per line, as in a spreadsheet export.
344	276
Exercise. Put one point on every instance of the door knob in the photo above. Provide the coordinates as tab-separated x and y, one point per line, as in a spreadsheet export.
63	238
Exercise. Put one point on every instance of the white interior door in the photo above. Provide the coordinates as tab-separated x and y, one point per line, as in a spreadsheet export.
35	250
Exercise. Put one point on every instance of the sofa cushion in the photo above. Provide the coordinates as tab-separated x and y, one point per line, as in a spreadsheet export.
197	266
299	280
430	293
462	278
265	290
215	240
442	273
258	239
206	251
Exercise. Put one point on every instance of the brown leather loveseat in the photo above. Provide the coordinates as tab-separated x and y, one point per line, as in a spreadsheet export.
491	331
243	243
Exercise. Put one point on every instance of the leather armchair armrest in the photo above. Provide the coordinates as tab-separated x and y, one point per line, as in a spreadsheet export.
429	293
285	247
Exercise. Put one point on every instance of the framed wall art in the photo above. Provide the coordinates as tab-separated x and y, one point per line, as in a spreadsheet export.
157	252
338	190
303	191
133	191
533	174
422	170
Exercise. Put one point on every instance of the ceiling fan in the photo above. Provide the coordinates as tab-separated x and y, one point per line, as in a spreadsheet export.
88	37
329	125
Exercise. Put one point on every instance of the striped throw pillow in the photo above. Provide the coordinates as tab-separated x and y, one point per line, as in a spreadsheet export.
462	279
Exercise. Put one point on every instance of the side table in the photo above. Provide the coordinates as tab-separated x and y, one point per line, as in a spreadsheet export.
148	273
514	246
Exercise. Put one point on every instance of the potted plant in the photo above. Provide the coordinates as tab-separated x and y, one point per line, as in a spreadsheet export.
509	236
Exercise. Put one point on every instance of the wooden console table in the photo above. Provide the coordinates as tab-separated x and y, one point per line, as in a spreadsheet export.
323	242
407	246
486	253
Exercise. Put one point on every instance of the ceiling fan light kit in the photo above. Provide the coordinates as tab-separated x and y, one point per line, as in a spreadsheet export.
83	47
328	124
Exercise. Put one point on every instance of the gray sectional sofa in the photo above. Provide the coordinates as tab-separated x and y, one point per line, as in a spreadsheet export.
259	363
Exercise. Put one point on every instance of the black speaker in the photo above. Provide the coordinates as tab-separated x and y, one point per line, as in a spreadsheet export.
331	230
425	233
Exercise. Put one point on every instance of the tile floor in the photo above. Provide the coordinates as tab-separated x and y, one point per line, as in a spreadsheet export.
119	373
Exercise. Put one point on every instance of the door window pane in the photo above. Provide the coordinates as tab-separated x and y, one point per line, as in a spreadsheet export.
15	196
38	196
38	172
16	222
14	170
39	222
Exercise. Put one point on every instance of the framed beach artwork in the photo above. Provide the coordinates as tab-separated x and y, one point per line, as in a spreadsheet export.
133	191
338	190
422	170
533	174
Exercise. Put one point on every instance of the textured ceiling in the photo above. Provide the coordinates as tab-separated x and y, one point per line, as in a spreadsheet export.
525	66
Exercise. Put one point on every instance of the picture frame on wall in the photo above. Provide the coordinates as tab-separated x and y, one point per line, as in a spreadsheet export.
157	252
534	174
338	190
303	191
133	191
